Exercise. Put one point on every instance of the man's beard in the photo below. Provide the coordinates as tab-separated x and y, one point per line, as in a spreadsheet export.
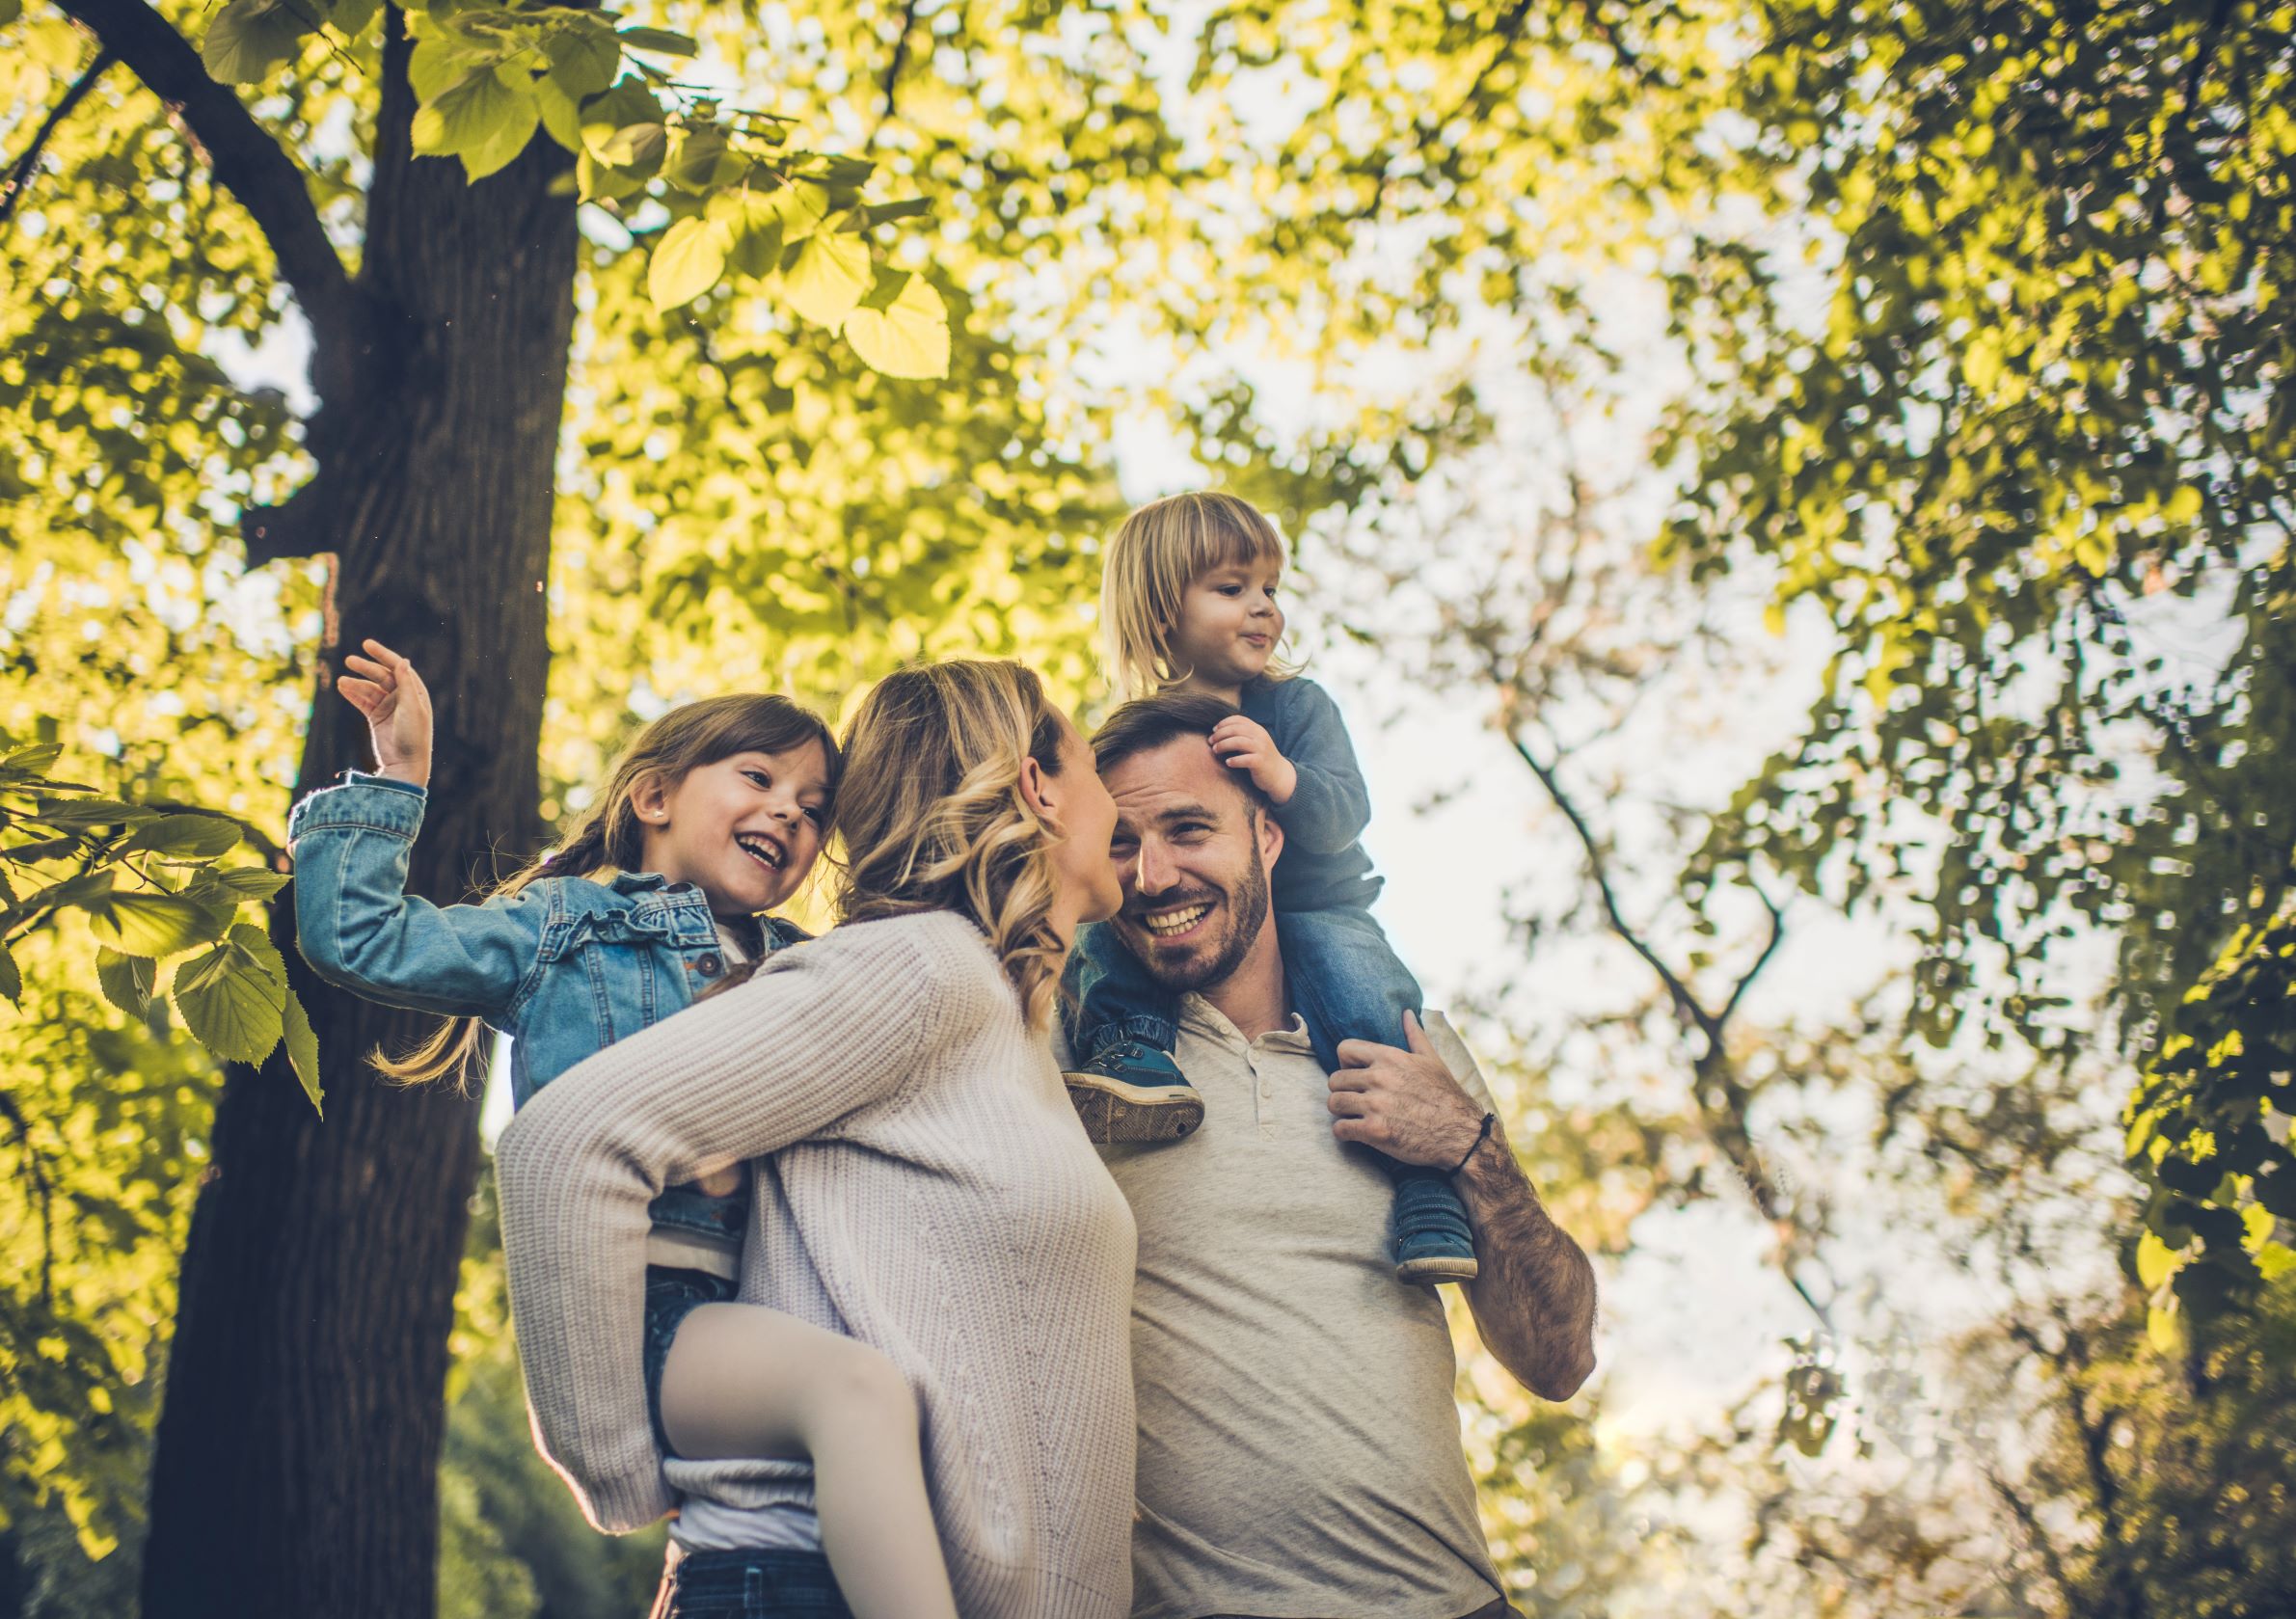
1246	912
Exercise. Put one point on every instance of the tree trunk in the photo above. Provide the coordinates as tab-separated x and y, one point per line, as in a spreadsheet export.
298	1450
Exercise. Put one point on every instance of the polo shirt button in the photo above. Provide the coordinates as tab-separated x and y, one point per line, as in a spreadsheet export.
707	967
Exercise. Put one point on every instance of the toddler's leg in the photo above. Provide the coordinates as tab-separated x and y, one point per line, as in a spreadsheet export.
745	1381
1348	984
1122	1077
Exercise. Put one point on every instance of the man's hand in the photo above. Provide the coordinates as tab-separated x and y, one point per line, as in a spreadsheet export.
385	687
1404	1103
1533	1304
1244	744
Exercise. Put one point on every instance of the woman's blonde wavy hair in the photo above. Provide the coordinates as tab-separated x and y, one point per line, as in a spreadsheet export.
1153	556
933	818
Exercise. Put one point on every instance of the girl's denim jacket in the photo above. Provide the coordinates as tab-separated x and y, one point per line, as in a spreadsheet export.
565	966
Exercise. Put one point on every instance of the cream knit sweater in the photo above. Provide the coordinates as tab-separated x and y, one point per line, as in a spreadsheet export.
923	1185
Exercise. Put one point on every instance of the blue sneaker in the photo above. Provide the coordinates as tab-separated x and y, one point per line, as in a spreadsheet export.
1134	1092
1430	1238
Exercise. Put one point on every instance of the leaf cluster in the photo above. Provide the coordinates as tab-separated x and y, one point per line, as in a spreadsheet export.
150	882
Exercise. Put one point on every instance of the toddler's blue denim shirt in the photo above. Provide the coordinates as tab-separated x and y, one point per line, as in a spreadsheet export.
565	966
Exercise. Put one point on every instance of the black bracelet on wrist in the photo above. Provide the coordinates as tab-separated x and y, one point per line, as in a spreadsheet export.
1480	1136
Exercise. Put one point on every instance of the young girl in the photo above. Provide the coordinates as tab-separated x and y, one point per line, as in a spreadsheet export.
1188	599
713	818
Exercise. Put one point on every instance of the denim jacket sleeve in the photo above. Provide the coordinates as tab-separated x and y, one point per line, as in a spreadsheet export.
361	929
1330	806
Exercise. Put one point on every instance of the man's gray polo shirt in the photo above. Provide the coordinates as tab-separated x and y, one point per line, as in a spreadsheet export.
1299	1441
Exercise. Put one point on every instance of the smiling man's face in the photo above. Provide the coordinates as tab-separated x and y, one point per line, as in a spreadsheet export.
1193	853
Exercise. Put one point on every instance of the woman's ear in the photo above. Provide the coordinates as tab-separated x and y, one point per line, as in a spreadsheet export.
1041	792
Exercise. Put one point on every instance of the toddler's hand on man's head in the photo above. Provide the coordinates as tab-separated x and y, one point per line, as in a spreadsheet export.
1244	744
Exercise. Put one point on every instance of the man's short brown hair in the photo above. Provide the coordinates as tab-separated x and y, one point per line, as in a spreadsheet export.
1147	723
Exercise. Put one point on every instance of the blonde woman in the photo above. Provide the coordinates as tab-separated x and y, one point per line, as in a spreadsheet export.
921	1183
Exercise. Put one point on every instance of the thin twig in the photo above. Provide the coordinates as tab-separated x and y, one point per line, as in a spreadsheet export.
19	174
45	1193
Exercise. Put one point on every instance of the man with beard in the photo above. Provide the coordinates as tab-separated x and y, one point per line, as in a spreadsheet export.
1299	1443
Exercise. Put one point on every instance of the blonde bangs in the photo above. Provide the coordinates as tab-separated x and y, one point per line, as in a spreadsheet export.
1152	559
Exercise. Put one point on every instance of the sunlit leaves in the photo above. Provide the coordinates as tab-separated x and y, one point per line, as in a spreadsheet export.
150	891
826	278
908	337
233	998
686	261
126	981
250	38
480	120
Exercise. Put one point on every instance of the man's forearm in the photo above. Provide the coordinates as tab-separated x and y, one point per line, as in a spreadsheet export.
1534	1301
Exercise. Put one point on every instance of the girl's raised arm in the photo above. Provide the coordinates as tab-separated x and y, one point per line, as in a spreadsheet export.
355	922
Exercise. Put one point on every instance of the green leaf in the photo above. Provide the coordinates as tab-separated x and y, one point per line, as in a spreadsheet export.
232	999
699	155
249	38
2156	1261
351	17
802	209
40	758
884	213
686	263
826	281
126	980
634	146
908	338
81	813
156	925
9	11
442	59
663	42
249	882
583	58
87	892
508	139
188	836
561	120
755	224
303	1050
474	114
12	977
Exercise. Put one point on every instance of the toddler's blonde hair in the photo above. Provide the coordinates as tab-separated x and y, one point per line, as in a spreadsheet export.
1155	554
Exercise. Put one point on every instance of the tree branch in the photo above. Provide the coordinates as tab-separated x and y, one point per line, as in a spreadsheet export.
1685	1004
42	1190
891	82
19	174
242	156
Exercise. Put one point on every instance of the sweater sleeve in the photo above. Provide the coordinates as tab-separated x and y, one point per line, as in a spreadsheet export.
825	1030
1330	806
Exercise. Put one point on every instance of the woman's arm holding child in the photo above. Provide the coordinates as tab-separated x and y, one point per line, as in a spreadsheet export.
824	1030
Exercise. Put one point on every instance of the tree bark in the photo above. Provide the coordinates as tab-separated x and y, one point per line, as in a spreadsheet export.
298	1448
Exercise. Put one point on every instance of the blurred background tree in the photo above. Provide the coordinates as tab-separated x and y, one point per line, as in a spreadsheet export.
1837	454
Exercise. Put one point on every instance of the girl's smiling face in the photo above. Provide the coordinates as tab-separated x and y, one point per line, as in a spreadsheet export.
744	829
1229	625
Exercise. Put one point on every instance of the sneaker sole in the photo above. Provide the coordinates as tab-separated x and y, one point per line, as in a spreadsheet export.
1439	1268
1114	1113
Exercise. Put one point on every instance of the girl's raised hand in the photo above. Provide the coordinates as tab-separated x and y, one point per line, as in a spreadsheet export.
385	687
1244	744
